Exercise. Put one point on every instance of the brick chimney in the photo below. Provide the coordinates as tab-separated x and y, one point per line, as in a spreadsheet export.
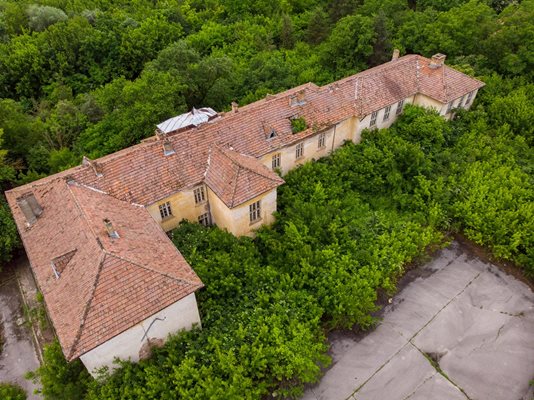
110	230
97	168
167	147
235	107
437	61
396	54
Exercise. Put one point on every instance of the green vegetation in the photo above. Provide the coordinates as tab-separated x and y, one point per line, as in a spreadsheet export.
92	77
298	125
10	391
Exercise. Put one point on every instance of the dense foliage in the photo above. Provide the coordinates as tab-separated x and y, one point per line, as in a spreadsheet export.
9	391
91	77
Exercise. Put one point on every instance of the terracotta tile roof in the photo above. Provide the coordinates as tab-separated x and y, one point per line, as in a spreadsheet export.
90	295
71	234
143	174
236	178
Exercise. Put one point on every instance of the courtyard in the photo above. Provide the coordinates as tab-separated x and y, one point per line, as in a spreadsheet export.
461	329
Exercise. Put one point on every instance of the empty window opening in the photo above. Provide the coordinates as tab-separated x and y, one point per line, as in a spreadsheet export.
200	195
165	210
276	160
205	219
386	113
299	150
255	211
400	104
374	115
321	140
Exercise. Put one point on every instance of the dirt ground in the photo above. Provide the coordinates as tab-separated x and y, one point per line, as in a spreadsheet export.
460	328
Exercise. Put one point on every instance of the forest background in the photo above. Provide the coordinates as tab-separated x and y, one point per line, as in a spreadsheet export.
91	77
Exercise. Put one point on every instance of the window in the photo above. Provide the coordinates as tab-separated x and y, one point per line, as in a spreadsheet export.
299	151
373	118
200	196
205	219
322	140
165	210
449	107
460	103
386	113
276	161
469	98
255	211
400	104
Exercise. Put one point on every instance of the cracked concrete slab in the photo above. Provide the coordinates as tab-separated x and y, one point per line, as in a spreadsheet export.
462	330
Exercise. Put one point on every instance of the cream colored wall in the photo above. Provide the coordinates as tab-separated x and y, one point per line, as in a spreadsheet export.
182	206
425	101
181	315
380	123
237	220
334	137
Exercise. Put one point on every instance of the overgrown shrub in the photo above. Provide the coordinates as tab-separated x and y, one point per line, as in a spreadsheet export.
11	391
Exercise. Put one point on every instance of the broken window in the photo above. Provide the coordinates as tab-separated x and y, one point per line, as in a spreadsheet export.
255	211
200	195
165	210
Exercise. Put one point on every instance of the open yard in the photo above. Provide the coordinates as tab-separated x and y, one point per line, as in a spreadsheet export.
462	329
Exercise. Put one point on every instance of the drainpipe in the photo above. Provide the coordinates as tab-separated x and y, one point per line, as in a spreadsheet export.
334	139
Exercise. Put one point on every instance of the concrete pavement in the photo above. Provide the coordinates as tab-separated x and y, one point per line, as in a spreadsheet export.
18	354
462	330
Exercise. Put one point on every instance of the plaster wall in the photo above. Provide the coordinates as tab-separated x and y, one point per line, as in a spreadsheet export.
183	206
237	220
380	123
181	315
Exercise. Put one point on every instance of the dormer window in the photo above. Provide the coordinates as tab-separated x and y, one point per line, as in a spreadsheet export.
30	208
60	263
271	134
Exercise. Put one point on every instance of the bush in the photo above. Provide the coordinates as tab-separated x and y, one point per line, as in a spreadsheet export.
41	17
10	391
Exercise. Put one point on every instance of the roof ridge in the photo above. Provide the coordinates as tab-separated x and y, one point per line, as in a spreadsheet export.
234	183
84	215
87	307
247	168
112	254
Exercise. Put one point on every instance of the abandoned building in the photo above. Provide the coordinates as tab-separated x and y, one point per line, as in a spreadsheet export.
95	234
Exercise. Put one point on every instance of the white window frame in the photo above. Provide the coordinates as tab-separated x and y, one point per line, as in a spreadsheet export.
460	102
299	150
165	210
400	105
374	116
276	161
387	110
200	195
204	219
254	210
449	107
321	142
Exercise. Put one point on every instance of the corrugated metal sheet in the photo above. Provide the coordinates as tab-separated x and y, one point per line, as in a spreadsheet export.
193	118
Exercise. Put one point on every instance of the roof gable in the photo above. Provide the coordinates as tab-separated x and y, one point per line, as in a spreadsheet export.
236	178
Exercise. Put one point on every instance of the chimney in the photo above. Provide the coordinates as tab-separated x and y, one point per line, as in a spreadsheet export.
396	54
298	99
437	61
109	228
97	168
167	147
235	107
30	208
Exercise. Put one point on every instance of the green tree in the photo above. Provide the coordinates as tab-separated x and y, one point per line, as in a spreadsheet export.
10	391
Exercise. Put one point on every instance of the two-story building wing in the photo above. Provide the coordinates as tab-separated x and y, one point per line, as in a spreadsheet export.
94	234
